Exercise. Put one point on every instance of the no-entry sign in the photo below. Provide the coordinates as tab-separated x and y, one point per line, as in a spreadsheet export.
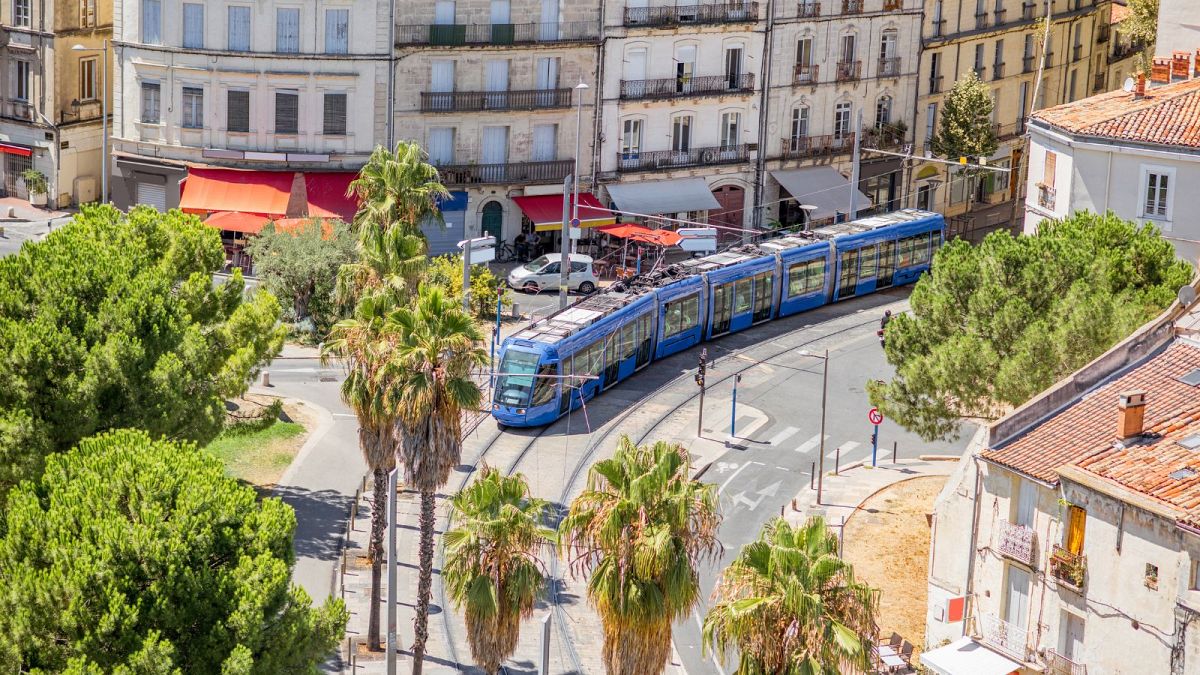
874	416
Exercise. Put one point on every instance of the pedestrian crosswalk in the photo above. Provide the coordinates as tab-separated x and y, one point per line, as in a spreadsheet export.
845	448
782	436
811	443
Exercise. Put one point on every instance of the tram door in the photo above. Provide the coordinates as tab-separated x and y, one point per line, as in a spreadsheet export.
848	274
612	360
887	265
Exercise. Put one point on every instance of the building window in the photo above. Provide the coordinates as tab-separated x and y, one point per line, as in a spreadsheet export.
804	51
21	80
335	115
151	97
441	146
849	48
935	72
21	13
799	122
1194	584
1071	88
287	112
239	29
237	111
87	13
731	129
287	30
152	22
631	138
545	143
193	25
681	133
883	111
193	108
87	79
841	120
337	31
1157	201
1016	597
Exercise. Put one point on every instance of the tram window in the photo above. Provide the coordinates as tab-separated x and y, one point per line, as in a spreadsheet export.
806	277
590	360
644	323
568	385
866	258
762	296
515	382
722	304
543	388
741	293
848	280
921	249
670	319
628	341
689	314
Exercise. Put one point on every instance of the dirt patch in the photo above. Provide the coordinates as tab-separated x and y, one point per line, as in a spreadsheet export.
887	541
260	457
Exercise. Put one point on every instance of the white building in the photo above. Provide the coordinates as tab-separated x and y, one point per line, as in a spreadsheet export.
1067	540
280	88
1129	153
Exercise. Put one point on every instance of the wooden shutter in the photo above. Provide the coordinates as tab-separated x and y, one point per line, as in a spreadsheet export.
287	112
1049	170
335	115
238	111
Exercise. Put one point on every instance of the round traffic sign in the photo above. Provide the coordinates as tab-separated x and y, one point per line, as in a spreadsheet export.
874	416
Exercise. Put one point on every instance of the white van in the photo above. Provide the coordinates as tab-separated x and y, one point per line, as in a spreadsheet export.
545	274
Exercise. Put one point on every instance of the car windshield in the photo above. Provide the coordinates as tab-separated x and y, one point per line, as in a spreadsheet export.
515	383
538	264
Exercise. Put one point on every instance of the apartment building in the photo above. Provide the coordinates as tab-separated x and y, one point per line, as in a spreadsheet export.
50	96
1121	48
1067	541
488	87
262	107
829	64
1003	42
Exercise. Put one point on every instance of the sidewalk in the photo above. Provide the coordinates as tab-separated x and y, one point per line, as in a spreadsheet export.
843	493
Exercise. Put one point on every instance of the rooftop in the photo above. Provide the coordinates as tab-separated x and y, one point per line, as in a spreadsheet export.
1119	13
1089	424
1166	115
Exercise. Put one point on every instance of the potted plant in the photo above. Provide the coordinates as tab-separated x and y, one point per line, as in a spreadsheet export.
35	184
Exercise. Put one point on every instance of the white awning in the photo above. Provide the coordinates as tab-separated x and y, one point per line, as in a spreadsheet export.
822	186
967	657
663	196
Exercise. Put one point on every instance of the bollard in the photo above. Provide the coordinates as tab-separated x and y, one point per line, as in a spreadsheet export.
2	232
894	444
837	462
794	507
516	311
781	506
812	477
266	378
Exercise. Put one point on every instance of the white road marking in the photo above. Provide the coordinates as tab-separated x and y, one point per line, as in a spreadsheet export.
293	370
782	436
735	473
810	443
345	415
846	448
722	467
700	626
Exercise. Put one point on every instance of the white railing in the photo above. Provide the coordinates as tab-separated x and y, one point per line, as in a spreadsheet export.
1017	542
1057	664
1004	636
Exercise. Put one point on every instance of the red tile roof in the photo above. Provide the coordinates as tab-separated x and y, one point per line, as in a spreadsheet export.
1167	115
1119	13
1090	424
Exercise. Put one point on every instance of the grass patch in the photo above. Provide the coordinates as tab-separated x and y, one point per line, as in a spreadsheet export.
259	456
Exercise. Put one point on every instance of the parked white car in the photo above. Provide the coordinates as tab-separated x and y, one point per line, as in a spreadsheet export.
545	274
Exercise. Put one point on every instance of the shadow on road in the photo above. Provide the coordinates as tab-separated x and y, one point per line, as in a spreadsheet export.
320	520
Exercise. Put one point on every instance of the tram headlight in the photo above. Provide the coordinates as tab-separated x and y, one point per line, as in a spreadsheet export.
495	406
520	411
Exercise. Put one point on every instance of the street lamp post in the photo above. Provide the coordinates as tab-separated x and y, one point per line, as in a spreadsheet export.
579	89
103	115
824	391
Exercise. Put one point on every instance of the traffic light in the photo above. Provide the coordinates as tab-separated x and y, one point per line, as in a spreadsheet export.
702	367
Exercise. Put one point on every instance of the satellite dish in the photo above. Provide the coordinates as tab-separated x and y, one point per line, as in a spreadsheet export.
1128	85
1187	295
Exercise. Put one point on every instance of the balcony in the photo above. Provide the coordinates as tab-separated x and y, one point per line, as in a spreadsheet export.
1069	568
1076	52
499	34
939	27
979	71
1103	34
981	21
512	173
808	10
889	67
690	15
1098	82
466	101
1005	637
816	146
1123	51
676	159
998	16
893	5
1010	130
1027	64
935	84
1017	541
852	6
848	71
884	136
1057	664
1028	10
997	71
685	86
17	110
805	74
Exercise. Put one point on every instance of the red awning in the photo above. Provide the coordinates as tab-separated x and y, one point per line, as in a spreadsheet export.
644	235
258	192
327	194
11	149
237	221
546	211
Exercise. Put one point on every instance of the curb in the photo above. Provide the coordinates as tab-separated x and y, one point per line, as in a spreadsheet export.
324	424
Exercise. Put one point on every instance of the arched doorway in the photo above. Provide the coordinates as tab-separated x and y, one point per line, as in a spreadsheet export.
493	220
732	200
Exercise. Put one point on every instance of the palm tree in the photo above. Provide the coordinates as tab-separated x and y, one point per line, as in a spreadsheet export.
789	604
397	189
430	381
389	261
641	528
363	344
492	568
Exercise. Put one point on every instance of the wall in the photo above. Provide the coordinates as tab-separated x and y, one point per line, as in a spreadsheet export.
1177	27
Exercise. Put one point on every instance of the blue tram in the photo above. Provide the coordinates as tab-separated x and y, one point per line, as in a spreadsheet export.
611	335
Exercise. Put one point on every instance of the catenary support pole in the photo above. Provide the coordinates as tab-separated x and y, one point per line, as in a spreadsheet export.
565	259
392	640
821	456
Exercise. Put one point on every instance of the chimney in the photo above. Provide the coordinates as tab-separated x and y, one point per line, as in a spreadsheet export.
1131	411
1139	90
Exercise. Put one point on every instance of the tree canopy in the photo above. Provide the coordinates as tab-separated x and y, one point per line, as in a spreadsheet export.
114	321
131	555
965	127
995	324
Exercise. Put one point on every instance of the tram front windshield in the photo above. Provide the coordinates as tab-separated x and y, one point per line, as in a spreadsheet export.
515	383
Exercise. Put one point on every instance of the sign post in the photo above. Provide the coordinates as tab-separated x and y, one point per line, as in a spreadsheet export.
475	251
876	418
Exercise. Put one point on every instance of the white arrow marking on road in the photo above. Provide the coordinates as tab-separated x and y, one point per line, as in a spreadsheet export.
735	473
782	436
769	491
846	448
810	443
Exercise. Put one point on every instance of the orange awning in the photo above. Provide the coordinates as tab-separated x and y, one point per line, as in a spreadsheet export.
294	225
258	192
644	234
237	221
546	211
327	194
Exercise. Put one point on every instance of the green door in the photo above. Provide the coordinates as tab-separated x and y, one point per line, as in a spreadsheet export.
493	220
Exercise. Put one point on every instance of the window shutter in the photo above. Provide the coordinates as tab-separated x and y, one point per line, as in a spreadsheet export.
287	30
335	115
193	25
150	99
238	111
239	29
337	31
287	111
152	22
1049	171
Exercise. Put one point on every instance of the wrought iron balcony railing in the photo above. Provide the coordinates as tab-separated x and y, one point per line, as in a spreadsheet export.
1005	637
813	146
981	21
1103	33
997	71
1057	664
1064	565
509	173
849	70
1027	64
889	67
1028	9
1098	82
852	6
464	101
729	12
805	74
460	34
678	87
651	160
935	84
1017	541
939	27
808	10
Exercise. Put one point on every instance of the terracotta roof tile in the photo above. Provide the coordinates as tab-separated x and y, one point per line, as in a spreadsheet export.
1090	423
1119	13
1167	115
